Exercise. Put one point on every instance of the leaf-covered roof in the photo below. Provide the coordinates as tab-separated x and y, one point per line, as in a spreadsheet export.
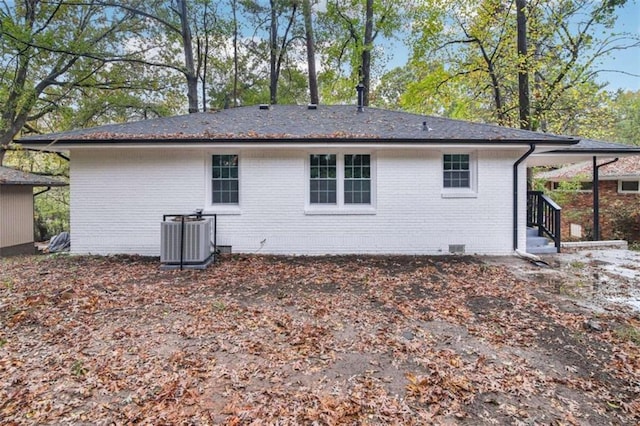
289	123
9	176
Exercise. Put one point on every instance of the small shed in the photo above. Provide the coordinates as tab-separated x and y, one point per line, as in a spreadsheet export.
16	209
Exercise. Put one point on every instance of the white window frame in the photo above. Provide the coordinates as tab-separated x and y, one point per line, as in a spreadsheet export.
621	191
340	208
472	190
222	209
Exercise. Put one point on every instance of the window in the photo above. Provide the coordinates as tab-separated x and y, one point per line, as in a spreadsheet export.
628	186
224	179
584	186
357	179
457	172
323	183
341	184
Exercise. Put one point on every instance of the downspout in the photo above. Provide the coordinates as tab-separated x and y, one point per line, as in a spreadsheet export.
532	147
596	196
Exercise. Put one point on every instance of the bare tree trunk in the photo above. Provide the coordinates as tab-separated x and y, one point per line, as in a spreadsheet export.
273	55
311	53
234	6
539	122
3	151
366	51
205	70
190	73
523	72
203	60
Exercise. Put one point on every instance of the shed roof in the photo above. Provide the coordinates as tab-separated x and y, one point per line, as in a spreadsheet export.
294	123
9	176
626	167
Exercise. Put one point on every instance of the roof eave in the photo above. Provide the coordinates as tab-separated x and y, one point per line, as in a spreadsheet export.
84	142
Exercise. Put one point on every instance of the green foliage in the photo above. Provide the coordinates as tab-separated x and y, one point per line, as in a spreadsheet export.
565	190
342	39
51	213
469	67
626	106
78	368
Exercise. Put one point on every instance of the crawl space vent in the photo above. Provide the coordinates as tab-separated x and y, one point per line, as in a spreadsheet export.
456	248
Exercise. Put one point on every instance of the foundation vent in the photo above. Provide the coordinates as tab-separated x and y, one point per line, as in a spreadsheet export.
456	248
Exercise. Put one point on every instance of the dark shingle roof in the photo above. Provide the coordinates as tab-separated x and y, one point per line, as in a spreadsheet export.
289	123
9	176
591	146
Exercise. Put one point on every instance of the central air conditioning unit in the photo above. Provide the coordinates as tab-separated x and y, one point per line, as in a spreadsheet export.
186	241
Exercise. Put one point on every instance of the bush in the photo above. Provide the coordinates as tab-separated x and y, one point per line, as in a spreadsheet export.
625	221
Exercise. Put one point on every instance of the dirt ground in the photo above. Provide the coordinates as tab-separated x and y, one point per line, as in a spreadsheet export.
321	340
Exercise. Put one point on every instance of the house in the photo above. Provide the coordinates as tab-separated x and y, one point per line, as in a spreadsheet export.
618	190
16	209
618	178
289	179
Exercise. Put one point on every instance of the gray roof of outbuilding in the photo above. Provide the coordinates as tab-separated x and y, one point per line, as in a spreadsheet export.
9	176
292	123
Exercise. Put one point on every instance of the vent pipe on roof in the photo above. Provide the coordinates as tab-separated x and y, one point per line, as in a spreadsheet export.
360	89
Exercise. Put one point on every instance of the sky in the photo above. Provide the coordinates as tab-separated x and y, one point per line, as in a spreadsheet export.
625	61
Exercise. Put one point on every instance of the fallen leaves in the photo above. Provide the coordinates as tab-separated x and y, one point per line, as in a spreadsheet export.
327	340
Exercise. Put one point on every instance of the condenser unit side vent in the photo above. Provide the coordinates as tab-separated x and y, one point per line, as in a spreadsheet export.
194	247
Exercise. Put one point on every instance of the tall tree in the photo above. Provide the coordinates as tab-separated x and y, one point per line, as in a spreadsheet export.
281	20
311	52
49	50
350	30
523	69
567	39
189	64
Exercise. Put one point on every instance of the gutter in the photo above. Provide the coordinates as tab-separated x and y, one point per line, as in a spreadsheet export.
151	142
532	147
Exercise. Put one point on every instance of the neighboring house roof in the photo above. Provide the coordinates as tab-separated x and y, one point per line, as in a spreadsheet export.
626	167
292	123
9	176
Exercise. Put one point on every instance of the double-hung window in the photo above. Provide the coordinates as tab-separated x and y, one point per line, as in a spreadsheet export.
224	179
324	179
457	171
357	179
459	175
341	181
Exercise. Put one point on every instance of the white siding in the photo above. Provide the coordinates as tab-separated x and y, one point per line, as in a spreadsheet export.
118	198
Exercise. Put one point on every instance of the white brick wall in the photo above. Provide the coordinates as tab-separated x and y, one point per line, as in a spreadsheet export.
118	197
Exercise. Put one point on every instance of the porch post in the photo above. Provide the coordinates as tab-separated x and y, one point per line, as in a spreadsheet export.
596	201
596	196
